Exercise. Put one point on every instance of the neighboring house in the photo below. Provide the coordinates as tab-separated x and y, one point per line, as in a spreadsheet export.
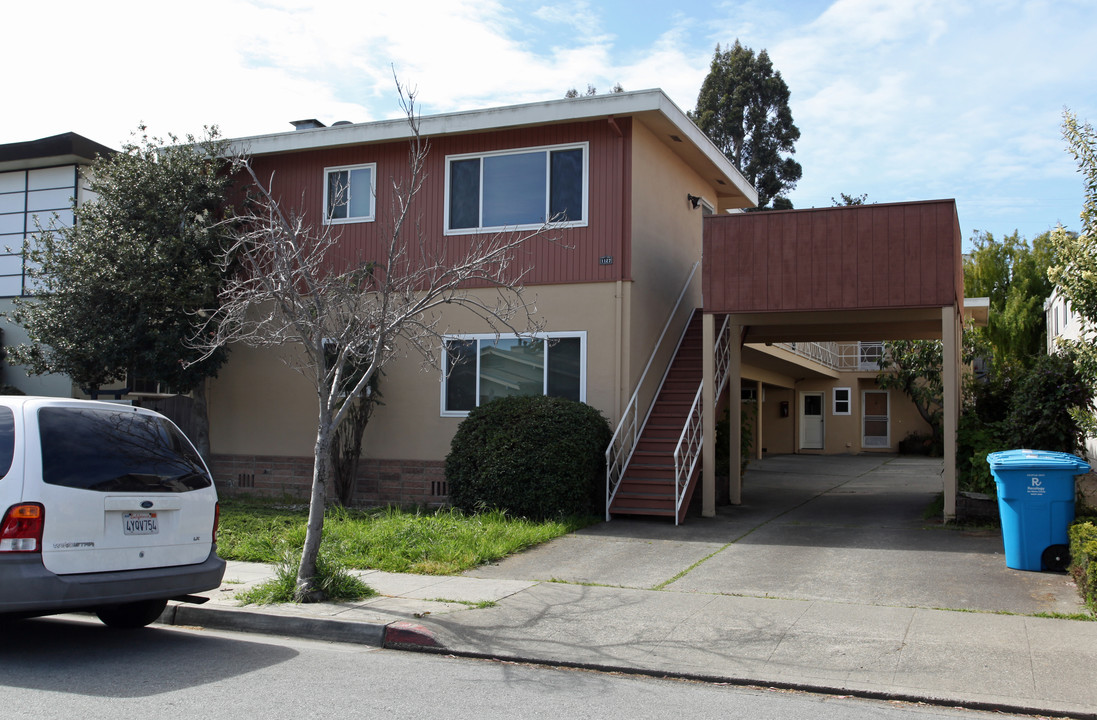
39	180
638	184
1064	323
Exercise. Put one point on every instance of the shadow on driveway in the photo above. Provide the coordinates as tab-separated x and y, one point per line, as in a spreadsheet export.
838	528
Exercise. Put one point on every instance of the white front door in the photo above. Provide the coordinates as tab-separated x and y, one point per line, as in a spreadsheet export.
811	421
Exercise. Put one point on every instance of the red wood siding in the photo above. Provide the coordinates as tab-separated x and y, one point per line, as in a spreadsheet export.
299	181
902	255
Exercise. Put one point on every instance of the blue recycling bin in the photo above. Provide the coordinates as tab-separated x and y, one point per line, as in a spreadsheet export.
1036	502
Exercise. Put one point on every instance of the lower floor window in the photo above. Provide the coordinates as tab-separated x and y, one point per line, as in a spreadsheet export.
481	368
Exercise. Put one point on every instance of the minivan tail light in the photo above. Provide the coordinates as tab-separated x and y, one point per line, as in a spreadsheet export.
216	519
21	529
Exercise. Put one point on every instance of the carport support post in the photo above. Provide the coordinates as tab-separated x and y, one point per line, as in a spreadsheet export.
735	412
950	381
708	415
758	421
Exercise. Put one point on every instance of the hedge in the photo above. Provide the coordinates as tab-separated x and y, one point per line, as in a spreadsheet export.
1083	553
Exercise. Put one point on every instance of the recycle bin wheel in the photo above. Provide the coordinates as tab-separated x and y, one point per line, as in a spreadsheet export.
1056	558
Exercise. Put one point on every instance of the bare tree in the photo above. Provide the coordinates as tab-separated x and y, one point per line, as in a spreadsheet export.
349	319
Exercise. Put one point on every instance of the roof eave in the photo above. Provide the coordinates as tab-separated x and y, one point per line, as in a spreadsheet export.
636	103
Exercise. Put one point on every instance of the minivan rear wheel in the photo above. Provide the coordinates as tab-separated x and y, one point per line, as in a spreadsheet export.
131	615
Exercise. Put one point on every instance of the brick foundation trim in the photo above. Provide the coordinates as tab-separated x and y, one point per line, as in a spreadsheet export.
379	482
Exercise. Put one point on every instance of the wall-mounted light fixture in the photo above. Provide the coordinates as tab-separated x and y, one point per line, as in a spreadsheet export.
694	200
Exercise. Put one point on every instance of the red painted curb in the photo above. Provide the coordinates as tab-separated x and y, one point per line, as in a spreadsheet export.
406	633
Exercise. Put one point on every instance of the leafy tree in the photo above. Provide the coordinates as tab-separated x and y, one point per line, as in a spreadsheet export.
346	320
1014	275
117	292
743	108
847	200
1074	271
914	367
572	93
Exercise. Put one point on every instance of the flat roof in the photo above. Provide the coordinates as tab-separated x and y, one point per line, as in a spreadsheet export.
66	148
651	107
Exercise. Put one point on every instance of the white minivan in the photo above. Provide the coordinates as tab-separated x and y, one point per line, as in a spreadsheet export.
103	507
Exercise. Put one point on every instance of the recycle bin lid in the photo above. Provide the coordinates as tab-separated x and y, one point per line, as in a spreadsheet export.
1039	459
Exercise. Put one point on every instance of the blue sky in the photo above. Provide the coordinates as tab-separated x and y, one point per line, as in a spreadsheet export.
898	99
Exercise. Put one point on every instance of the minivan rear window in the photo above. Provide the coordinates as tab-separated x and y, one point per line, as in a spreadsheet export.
116	451
7	440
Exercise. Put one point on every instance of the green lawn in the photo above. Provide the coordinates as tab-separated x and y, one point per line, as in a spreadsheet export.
441	542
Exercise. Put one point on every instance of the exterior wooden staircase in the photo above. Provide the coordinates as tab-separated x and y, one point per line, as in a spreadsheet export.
648	483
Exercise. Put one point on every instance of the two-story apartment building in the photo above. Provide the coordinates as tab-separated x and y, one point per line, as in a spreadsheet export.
631	180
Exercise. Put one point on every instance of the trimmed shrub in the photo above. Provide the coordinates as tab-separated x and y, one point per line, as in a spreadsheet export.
1083	553
531	456
974	441
746	440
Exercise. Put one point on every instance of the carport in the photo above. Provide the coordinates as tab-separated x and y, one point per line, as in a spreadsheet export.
854	273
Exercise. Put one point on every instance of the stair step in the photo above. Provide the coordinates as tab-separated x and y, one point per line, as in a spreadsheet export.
658	512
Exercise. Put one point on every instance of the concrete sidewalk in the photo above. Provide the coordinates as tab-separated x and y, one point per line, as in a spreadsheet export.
978	660
822	580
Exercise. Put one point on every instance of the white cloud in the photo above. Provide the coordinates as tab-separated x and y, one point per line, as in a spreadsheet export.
899	99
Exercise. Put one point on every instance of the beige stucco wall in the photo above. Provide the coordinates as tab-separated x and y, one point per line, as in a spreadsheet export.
258	406
777	431
843	433
666	242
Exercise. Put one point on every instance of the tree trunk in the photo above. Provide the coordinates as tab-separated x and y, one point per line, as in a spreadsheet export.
201	421
307	589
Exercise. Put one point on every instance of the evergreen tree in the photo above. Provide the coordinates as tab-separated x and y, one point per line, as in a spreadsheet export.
743	108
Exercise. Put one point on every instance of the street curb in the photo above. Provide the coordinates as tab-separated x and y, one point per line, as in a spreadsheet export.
408	636
239	619
807	686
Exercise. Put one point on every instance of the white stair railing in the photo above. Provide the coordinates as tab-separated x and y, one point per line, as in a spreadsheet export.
623	444
688	451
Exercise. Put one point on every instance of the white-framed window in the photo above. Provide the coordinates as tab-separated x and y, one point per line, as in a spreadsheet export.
516	189
349	194
481	368
842	404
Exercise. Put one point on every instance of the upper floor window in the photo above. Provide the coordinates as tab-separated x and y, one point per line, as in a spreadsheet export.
516	189
349	194
29	199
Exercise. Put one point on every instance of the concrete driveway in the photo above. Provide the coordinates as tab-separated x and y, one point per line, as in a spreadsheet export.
835	528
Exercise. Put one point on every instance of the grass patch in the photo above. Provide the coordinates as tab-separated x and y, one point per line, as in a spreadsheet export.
336	583
1067	616
477	604
442	542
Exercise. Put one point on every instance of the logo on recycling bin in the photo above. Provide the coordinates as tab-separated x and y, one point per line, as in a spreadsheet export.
1037	482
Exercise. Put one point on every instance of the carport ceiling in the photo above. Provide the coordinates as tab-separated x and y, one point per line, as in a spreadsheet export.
841	326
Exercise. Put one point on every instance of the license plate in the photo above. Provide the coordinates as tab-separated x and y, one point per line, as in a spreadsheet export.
139	524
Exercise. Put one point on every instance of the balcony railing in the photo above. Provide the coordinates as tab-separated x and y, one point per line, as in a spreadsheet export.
844	357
